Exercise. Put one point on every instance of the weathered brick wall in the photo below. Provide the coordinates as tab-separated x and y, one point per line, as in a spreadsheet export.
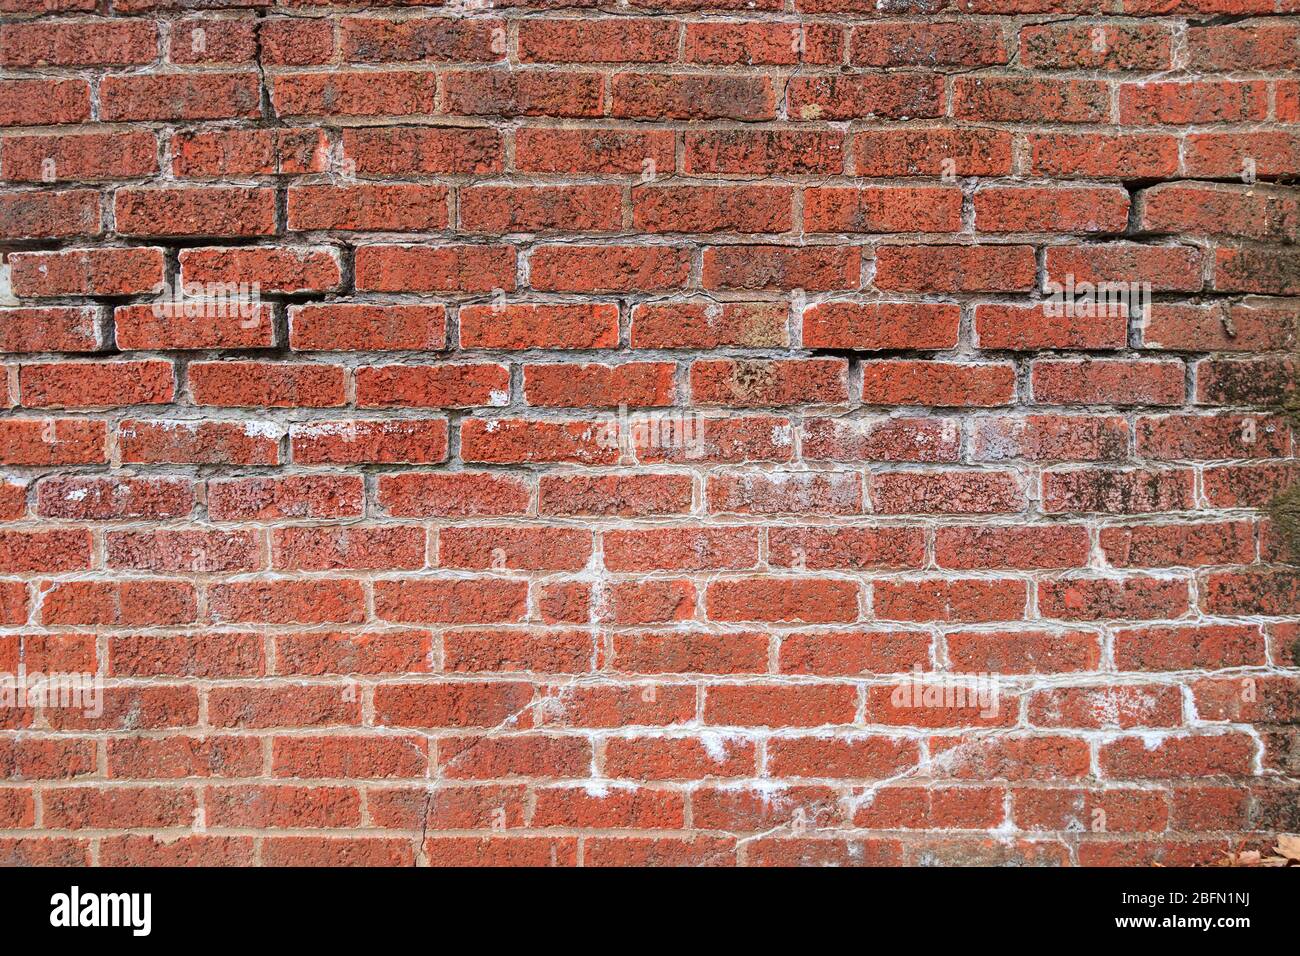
371	567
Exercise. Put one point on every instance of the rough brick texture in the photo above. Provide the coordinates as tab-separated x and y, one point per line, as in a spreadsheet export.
635	398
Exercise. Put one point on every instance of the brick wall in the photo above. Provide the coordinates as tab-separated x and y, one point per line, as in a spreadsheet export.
604	433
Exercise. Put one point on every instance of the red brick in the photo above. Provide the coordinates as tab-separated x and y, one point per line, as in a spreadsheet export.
1165	268
44	102
203	154
932	44
287	602
522	440
372	758
749	383
459	601
949	599
763	152
888	439
1110	811
1270	153
795	705
99	272
1117	491
1188	647
460	269
327	549
390	207
1030	99
818	549
448	494
179	97
1255	45
865	96
1028	328
579	151
52	441
214	211
50	215
1182	437
1111	382
397	150
1130	758
521	93
955	268
737	439
937	383
608	268
564	385
1262	591
692	96
544	652
757	43
819	601
1102	155
882	209
361	441
956	492
266	384
212	41
230	321
785	492
180	655
96	384
614	40
183	550
82	158
688	325
1052	438
1094	598
923	151
383	652
1122	46
432	386
1221	210
500	851
681	549
881	326
1220	101
354	327
79	43
292	41
52	329
353	93
533	549
1023	652
421	39
452	704
184	441
1237	328
505	209
273	270
1264	271
1013	758
1026	547
1051	209
705	209
294	496
813	268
